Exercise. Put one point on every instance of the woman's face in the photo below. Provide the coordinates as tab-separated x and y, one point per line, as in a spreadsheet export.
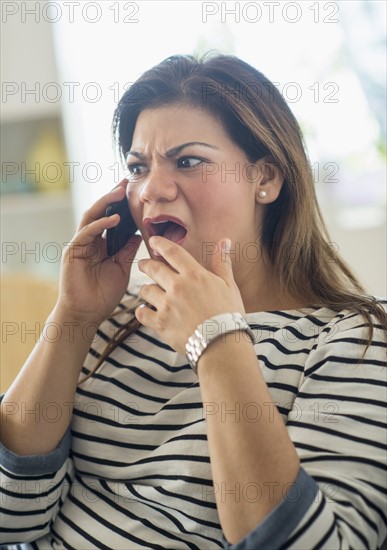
183	164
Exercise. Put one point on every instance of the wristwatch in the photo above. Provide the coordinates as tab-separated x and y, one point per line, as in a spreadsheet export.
210	330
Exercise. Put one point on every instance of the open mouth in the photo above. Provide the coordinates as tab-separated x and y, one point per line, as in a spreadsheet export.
170	230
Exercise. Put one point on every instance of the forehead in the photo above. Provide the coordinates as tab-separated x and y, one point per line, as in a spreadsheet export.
168	126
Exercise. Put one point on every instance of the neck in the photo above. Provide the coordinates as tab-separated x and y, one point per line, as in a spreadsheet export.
260	289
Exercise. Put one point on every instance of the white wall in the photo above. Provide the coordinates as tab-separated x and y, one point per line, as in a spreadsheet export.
111	52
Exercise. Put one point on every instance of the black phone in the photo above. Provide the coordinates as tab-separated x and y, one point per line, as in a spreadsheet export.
117	236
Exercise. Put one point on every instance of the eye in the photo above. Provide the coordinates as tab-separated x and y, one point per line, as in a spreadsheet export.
136	169
188	162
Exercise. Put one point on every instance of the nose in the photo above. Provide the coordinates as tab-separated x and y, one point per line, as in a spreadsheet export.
159	185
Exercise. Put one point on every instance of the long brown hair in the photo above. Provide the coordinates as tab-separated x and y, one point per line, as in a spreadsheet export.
260	122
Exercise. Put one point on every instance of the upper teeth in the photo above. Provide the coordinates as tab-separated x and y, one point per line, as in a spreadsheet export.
162	221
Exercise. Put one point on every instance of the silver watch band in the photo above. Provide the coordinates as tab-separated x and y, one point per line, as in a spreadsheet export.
210	330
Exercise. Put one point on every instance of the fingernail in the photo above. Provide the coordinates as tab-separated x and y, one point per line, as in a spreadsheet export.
153	241
226	245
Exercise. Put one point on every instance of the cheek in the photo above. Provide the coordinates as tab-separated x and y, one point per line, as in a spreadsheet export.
219	199
133	196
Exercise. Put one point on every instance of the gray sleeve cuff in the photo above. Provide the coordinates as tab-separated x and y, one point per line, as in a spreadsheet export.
276	528
36	464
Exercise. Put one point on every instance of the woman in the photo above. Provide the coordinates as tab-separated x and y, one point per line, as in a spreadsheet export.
143	437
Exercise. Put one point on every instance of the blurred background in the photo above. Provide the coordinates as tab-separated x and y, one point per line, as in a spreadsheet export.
64	66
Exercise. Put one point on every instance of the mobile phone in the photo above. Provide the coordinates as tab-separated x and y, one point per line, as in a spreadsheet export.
117	237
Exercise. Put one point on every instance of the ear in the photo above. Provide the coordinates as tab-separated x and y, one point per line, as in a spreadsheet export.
269	182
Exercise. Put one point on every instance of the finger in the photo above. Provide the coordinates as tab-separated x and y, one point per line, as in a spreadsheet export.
221	264
146	316
175	255
92	232
152	294
160	272
98	209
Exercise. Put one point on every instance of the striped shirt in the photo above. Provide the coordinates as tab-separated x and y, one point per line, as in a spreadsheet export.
133	470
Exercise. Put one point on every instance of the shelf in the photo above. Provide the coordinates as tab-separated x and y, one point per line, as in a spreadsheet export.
34	229
28	112
37	201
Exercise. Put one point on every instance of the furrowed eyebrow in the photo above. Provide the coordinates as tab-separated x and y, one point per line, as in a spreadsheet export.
140	156
174	151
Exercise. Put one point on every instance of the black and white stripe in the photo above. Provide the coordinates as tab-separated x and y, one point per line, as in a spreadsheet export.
138	472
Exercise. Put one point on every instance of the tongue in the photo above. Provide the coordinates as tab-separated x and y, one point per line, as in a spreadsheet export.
174	232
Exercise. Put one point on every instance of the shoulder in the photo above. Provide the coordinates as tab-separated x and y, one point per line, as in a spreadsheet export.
345	339
349	322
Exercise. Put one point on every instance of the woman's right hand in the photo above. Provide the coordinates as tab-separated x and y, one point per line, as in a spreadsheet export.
92	283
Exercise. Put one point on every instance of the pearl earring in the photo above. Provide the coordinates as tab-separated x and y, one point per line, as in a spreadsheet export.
262	194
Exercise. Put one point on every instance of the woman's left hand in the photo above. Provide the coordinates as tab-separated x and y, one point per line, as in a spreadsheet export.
185	293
